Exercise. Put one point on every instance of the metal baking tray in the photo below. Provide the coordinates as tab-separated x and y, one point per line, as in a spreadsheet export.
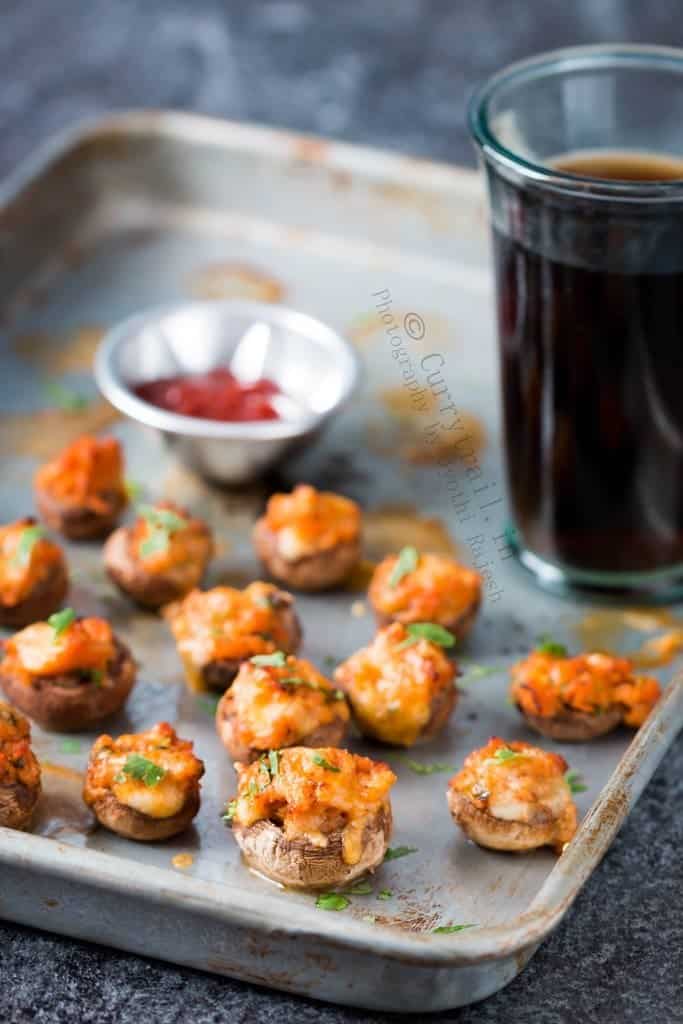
140	209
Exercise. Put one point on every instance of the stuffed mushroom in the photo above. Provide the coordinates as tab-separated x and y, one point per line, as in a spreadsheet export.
67	673
19	770
216	630
512	796
161	557
309	539
81	493
280	701
415	587
312	819
33	576
144	786
579	698
402	687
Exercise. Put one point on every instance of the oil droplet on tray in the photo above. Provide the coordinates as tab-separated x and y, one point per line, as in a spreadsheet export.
182	861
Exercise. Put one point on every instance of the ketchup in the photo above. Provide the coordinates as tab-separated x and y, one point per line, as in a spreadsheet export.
216	395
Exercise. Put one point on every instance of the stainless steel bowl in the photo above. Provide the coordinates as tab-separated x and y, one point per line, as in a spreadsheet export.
314	367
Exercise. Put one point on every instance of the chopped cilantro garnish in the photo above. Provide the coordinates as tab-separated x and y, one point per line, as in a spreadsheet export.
427	769
162	523
505	754
274	762
323	763
29	537
143	770
385	894
70	746
575	782
230	811
394	853
332	901
451	929
546	645
277	659
406	562
361	888
61	621
472	672
428	631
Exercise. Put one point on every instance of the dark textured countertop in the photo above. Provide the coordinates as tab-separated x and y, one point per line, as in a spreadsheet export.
389	74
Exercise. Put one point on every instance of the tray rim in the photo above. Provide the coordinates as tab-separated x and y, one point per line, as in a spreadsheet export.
227	902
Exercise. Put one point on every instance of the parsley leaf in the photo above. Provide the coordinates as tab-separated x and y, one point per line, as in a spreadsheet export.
477	672
505	754
428	631
230	811
451	929
70	746
274	762
406	562
427	769
61	621
332	901
546	645
29	537
385	894
394	853
277	659
323	763
162	523
156	542
575	782
143	770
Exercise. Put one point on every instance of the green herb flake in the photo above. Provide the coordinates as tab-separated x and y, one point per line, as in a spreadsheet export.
157	541
70	746
330	662
451	929
274	762
28	539
140	768
427	769
429	631
323	763
230	811
162	518
361	888
546	645
275	660
65	398
263	601
575	782
369	918
133	489
396	852
473	672
61	621
385	894
406	563
505	754
332	901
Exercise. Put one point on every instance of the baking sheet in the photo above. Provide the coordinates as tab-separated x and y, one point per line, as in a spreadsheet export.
149	208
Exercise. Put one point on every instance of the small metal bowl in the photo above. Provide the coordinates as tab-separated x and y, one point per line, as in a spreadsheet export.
314	367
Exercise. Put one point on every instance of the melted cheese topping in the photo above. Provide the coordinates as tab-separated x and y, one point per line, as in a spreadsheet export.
187	547
18	763
529	788
38	651
393	684
279	706
438	590
310	800
544	684
21	572
307	521
163	748
226	623
88	469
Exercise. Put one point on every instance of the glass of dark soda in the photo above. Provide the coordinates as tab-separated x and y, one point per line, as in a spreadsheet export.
583	154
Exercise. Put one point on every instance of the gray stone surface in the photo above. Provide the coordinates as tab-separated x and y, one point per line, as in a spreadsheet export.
392	73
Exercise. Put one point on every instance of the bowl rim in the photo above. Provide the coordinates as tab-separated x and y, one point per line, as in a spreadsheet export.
122	397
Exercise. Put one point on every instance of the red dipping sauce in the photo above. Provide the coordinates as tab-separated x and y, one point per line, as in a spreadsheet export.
216	395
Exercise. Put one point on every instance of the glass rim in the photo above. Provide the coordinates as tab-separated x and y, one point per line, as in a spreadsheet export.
561	61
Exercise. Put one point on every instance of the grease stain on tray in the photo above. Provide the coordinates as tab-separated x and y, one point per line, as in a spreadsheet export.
605	629
235	281
61	809
182	861
43	433
388	528
59	354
